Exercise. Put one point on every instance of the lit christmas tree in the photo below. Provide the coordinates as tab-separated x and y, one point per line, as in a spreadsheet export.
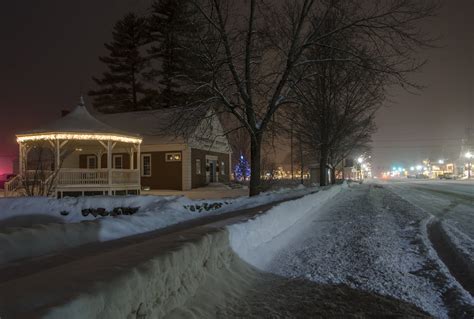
242	169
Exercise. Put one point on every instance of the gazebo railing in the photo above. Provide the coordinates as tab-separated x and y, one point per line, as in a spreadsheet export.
13	185
125	176
97	177
76	177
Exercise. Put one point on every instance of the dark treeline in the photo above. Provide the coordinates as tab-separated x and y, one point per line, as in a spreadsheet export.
149	61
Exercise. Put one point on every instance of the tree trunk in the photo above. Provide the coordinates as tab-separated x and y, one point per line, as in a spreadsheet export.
323	163
291	151
255	157
333	175
301	162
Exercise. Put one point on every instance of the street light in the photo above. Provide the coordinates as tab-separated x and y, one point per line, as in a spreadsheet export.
468	155
441	161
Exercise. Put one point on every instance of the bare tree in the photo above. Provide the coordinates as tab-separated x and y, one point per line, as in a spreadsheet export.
40	171
256	51
336	110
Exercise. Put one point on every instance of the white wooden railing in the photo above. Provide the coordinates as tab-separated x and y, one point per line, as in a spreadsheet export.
13	185
80	177
97	177
77	177
125	176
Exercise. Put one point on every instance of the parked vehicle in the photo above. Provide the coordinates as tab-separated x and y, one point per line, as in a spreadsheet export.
421	176
447	176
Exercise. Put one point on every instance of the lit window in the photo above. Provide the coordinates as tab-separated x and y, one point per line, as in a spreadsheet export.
198	166
146	165
173	157
91	162
222	170
117	161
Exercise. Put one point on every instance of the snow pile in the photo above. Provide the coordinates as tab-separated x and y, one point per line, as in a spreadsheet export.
45	206
204	266
189	280
18	207
247	238
52	235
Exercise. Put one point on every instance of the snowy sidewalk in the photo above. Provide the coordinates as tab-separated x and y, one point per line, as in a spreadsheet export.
371	239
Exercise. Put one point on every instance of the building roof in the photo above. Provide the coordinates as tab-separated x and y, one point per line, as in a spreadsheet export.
163	126
78	122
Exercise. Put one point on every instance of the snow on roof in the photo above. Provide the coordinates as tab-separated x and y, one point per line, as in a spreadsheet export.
163	126
79	121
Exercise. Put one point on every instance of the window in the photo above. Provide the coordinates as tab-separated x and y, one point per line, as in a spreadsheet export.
91	162
173	157
146	164
222	170
198	166
117	161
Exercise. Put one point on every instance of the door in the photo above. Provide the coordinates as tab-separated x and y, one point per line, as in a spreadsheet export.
212	171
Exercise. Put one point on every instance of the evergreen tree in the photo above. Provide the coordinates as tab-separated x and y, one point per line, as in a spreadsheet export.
173	26
121	87
242	169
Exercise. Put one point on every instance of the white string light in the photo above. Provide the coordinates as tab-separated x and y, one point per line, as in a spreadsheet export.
78	136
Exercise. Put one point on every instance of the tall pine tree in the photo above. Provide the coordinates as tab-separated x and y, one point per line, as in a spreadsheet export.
173	26
121	87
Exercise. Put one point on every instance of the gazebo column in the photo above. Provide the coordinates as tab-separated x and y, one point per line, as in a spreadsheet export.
139	169
58	145
131	153
110	147
99	159
109	165
58	155
21	160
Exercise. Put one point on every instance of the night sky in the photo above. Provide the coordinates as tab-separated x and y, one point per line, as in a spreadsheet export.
50	49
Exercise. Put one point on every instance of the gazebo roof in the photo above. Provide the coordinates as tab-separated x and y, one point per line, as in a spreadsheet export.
80	125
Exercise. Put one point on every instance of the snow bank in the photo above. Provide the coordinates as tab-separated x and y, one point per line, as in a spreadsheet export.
188	281
246	238
163	285
66	231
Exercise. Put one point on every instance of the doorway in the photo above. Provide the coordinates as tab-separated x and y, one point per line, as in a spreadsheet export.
211	169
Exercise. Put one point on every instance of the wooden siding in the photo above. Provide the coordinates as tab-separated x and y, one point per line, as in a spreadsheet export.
164	175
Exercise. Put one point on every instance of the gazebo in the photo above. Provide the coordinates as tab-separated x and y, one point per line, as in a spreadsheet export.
83	157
